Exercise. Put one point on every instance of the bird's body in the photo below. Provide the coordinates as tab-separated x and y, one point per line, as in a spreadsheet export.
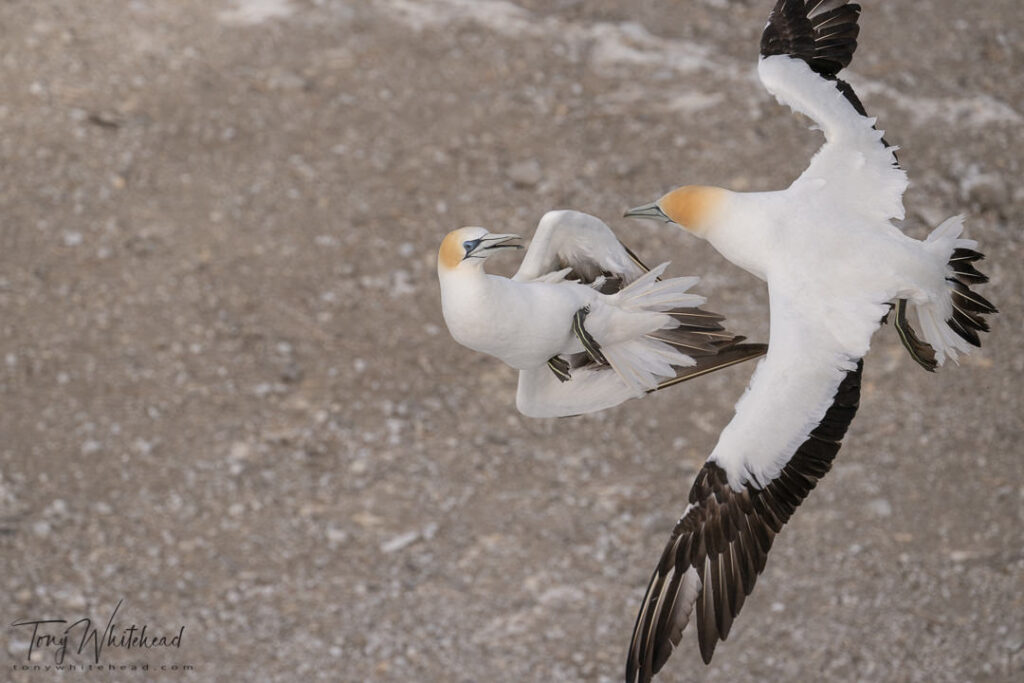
525	323
835	266
783	235
496	315
584	322
831	275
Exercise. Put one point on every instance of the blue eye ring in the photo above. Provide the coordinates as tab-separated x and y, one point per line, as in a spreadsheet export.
470	245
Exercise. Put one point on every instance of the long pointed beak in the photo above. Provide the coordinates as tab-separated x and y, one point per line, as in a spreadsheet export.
496	242
650	211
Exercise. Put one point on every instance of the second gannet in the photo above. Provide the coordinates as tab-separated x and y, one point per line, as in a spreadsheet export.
835	266
587	325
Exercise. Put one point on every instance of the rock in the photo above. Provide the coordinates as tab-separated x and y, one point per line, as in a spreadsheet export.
880	507
987	190
525	173
399	542
239	450
565	595
57	508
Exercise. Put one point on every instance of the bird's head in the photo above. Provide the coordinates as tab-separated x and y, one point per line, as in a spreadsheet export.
468	248
691	207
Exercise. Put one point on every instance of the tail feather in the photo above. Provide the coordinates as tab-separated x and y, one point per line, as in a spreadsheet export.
965	332
651	293
723	357
951	322
966	273
963	254
684	339
964	298
676	340
697	319
642	363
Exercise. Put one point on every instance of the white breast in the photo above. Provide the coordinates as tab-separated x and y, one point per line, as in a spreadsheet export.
522	323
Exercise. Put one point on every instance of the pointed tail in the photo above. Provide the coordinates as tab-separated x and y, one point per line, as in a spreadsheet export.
682	341
951	322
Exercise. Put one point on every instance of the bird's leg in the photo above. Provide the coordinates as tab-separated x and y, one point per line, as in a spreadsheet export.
560	367
590	344
920	351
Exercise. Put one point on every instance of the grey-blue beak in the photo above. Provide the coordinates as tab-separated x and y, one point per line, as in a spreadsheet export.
485	246
649	211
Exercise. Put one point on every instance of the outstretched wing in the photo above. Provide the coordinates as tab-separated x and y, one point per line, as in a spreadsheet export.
721	543
787	429
582	243
822	33
594	387
804	46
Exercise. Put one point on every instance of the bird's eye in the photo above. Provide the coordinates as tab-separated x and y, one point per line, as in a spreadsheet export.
470	245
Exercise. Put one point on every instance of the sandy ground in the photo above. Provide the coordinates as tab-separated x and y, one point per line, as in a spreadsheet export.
227	396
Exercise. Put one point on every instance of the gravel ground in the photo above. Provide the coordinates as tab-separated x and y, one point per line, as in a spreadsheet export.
229	399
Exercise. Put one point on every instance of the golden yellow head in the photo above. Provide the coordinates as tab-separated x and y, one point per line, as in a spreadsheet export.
691	207
471	245
451	252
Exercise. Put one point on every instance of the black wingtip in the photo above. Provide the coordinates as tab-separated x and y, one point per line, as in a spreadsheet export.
822	33
724	537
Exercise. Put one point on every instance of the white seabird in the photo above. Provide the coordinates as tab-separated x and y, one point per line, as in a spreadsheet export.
835	266
586	324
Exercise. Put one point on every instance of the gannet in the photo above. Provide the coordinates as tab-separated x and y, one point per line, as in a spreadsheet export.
587	325
835	266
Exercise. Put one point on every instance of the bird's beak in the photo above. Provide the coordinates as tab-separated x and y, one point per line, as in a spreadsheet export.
493	243
650	211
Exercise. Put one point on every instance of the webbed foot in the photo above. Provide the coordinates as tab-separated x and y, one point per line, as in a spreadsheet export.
590	344
560	367
920	351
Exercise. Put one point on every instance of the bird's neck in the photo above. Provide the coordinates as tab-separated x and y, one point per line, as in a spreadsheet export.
471	302
741	228
463	272
465	283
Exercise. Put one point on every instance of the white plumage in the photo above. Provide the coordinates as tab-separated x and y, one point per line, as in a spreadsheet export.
835	266
833	262
644	331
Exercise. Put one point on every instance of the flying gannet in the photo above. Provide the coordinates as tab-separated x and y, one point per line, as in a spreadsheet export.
835	266
587	325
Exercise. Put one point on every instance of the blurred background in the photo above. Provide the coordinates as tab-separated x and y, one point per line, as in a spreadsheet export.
228	398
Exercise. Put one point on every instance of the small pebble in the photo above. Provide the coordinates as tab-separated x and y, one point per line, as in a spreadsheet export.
525	173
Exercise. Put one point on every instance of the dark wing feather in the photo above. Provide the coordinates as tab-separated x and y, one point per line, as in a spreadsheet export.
721	543
822	33
722	356
700	336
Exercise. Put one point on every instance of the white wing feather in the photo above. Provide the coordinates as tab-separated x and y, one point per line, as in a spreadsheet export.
580	241
853	164
812	345
541	394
